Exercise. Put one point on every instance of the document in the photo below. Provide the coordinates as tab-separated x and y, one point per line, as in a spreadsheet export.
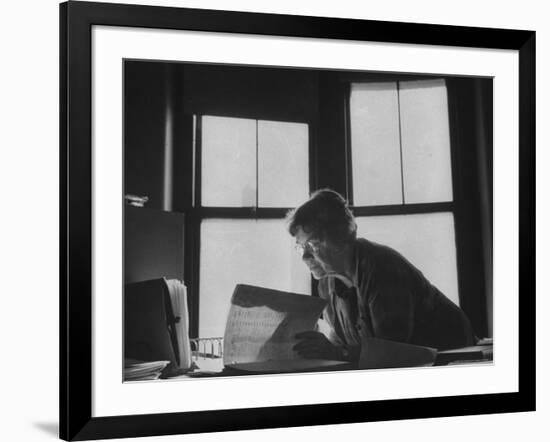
178	298
135	370
262	324
156	324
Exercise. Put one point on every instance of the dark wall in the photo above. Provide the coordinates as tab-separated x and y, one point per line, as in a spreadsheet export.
470	102
153	246
278	94
145	95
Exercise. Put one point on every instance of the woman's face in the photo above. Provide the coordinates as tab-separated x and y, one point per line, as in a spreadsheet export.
321	257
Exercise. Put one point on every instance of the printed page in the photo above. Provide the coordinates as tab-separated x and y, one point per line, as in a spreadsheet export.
262	324
178	297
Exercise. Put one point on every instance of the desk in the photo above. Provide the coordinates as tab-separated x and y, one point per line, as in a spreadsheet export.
475	353
213	367
208	360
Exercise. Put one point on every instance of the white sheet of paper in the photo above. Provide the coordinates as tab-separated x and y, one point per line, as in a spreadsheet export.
262	324
178	296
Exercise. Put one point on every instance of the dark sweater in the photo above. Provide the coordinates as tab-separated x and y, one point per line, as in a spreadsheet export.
392	300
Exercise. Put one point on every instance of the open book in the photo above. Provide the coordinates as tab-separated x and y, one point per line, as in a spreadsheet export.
261	328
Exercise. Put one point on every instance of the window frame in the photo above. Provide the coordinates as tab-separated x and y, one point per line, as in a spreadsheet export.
330	166
197	212
404	208
468	255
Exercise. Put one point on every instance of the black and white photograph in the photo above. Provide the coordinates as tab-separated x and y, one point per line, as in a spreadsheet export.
242	221
273	220
286	220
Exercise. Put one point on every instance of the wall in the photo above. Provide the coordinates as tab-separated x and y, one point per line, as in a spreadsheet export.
154	244
147	107
29	239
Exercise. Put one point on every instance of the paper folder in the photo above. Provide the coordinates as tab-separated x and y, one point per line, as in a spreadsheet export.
156	323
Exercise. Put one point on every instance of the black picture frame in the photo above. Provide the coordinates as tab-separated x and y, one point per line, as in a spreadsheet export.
76	240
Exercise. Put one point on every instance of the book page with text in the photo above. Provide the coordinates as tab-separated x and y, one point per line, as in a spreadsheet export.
262	324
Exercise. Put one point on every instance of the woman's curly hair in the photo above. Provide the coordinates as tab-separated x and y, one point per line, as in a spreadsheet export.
325	215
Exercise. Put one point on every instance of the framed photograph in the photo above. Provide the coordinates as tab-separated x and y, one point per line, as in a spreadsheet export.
200	148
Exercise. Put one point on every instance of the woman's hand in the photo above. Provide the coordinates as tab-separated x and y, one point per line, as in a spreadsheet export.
315	345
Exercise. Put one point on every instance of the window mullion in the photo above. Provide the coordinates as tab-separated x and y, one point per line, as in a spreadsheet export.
400	142
257	167
404	209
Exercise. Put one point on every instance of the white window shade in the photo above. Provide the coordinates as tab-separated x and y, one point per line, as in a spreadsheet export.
228	160
376	157
426	240
283	169
425	141
254	163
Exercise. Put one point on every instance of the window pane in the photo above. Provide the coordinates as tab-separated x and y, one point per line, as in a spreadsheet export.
426	142
427	241
376	157
283	172
228	162
244	251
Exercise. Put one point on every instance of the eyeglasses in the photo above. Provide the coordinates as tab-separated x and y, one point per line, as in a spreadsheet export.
309	246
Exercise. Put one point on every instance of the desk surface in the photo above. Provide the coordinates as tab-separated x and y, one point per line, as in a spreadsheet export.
215	368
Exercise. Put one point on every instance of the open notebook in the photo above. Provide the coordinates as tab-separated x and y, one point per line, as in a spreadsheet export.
261	328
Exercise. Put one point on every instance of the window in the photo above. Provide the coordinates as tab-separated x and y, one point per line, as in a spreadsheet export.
426	240
401	173
247	251
251	173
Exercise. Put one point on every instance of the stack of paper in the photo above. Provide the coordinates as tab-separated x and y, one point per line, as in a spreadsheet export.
178	297
474	353
143	371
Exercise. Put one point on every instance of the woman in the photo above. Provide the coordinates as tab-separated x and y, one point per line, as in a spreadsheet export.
371	290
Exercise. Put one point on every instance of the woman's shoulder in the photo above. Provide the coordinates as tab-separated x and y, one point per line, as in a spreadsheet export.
375	252
381	260
372	253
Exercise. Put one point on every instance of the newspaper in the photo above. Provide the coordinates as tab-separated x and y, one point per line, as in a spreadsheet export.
262	324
